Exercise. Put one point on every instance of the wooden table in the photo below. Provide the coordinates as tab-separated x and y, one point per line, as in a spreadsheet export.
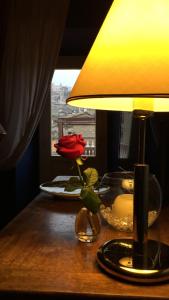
40	257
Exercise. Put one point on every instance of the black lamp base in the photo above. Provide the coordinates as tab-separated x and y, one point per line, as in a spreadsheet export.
119	258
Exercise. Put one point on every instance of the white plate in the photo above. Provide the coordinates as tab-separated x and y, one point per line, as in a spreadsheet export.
59	191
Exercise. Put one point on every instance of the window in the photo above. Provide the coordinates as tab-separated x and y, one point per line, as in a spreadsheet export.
125	132
107	134
56	121
66	119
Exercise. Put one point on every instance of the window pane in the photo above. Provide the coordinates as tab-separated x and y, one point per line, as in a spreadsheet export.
126	121
67	120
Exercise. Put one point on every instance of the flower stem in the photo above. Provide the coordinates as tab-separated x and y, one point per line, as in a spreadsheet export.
80	175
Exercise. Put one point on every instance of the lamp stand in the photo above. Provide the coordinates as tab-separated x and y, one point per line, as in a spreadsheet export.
138	259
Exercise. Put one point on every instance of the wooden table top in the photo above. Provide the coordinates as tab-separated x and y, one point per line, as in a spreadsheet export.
41	257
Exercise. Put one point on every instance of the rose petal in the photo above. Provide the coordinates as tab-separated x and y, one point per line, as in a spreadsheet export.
72	153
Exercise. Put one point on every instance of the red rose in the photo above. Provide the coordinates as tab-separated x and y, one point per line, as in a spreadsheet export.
71	146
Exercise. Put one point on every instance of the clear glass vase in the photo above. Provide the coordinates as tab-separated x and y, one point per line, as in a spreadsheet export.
87	225
117	203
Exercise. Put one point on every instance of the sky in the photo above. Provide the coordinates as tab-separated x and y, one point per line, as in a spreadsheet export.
65	77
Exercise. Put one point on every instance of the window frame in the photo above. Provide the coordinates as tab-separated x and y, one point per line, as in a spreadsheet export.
52	166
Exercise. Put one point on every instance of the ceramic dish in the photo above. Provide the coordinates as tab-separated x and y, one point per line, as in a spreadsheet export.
52	188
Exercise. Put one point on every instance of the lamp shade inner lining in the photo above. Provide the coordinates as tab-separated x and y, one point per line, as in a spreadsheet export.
106	102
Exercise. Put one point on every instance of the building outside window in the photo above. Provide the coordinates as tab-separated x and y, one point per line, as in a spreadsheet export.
60	119
67	120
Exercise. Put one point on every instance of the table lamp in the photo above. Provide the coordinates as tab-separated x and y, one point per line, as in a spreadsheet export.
127	69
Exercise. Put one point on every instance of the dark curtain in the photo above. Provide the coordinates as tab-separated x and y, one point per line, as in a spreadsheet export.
31	33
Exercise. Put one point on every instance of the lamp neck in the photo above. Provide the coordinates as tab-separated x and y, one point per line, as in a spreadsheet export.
141	116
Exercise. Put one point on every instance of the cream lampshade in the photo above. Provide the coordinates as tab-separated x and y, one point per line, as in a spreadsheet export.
127	69
128	63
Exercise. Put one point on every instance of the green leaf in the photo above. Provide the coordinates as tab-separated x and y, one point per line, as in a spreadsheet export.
90	199
74	180
60	183
70	187
73	184
91	176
